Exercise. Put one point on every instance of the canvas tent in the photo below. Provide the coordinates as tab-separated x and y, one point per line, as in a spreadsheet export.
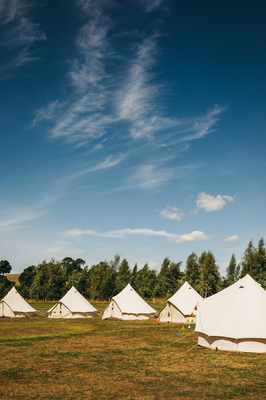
234	319
14	306
72	305
182	306
128	305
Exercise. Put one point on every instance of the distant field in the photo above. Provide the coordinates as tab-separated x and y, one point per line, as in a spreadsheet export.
13	278
94	359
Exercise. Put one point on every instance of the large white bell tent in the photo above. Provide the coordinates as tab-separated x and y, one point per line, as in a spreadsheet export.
182	306
72	305
14	306
234	319
128	305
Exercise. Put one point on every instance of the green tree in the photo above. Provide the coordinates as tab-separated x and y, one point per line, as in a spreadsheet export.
123	276
39	287
145	281
249	262
232	271
102	278
134	275
5	284
26	279
70	265
5	267
261	263
210	281
163	282
56	281
168	279
192	271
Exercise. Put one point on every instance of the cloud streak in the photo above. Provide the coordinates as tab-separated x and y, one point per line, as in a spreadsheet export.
142	232
19	34
230	239
151	5
137	103
84	117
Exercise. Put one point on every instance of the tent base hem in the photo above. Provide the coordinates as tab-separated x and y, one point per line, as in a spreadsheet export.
71	316
247	345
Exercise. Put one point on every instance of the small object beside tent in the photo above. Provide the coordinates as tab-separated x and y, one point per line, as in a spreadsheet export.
128	305
13	305
182	306
234	319
72	305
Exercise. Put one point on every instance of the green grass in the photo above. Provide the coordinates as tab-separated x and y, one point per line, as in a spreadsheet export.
95	359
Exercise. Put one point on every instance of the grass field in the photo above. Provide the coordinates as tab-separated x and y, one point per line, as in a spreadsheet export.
13	278
94	359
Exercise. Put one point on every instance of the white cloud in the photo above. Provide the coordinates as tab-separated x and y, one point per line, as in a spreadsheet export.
137	103
19	33
232	238
172	213
146	232
150	176
47	113
84	117
136	97
75	232
192	237
211	203
109	162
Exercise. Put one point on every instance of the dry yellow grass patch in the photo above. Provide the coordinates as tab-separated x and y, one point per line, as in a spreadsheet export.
94	359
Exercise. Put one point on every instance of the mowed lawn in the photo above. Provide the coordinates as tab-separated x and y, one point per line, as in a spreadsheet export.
95	359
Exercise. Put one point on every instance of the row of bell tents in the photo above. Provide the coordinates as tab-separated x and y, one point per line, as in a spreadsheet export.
126	305
233	319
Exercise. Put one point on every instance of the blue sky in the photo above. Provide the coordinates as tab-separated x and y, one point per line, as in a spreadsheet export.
131	127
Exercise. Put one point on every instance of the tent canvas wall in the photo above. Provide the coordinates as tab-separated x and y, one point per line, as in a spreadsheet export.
72	305
14	306
128	305
182	306
234	319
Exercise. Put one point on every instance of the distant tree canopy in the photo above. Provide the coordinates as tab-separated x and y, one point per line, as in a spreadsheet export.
51	279
5	284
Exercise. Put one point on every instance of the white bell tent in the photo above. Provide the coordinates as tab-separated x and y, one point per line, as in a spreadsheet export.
128	305
72	305
14	306
234	319
182	306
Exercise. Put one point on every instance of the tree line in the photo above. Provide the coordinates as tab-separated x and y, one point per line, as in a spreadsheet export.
51	279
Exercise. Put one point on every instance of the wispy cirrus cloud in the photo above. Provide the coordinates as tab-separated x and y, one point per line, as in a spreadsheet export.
47	113
210	203
19	34
127	110
154	175
109	162
145	232
134	102
172	214
83	117
151	5
138	104
150	176
18	215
